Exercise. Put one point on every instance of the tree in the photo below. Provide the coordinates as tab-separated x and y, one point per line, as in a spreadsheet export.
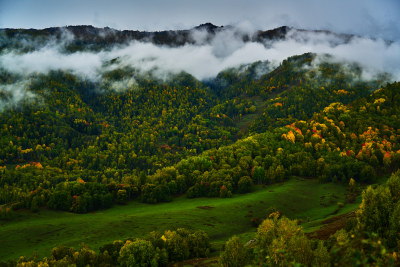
234	253
259	174
380	212
199	244
122	196
60	200
282	242
85	257
367	174
244	185
61	252
112	250
224	192
352	185
140	253
176	245
280	173
35	204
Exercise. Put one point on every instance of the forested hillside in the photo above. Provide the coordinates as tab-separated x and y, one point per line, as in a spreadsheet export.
117	145
73	143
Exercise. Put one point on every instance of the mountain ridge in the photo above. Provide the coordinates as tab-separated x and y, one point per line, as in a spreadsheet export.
88	34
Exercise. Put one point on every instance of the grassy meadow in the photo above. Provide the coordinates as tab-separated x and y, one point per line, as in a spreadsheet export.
307	200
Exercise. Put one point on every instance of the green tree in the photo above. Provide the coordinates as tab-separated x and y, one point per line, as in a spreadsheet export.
244	185
379	211
122	196
35	204
234	253
140	253
282	242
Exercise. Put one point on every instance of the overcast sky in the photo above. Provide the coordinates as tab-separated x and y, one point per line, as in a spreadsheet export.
379	18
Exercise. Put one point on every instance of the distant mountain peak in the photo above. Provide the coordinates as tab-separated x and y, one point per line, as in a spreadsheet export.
207	26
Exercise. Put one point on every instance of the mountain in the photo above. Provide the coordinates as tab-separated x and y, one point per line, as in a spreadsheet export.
85	37
89	121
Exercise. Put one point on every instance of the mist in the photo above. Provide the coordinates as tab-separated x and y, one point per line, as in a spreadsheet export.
12	94
204	59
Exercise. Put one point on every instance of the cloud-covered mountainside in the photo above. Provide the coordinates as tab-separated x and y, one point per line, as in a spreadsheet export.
203	52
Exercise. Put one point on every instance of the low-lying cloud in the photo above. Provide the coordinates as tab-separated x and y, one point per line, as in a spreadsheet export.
50	58
206	58
12	94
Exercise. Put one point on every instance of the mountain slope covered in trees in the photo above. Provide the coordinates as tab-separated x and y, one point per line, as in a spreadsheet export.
79	144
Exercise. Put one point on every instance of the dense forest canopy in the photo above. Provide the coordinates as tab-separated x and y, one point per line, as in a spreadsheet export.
84	137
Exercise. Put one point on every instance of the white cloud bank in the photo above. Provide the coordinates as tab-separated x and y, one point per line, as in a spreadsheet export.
206	59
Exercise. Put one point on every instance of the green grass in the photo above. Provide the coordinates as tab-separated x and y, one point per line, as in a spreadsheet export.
297	198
